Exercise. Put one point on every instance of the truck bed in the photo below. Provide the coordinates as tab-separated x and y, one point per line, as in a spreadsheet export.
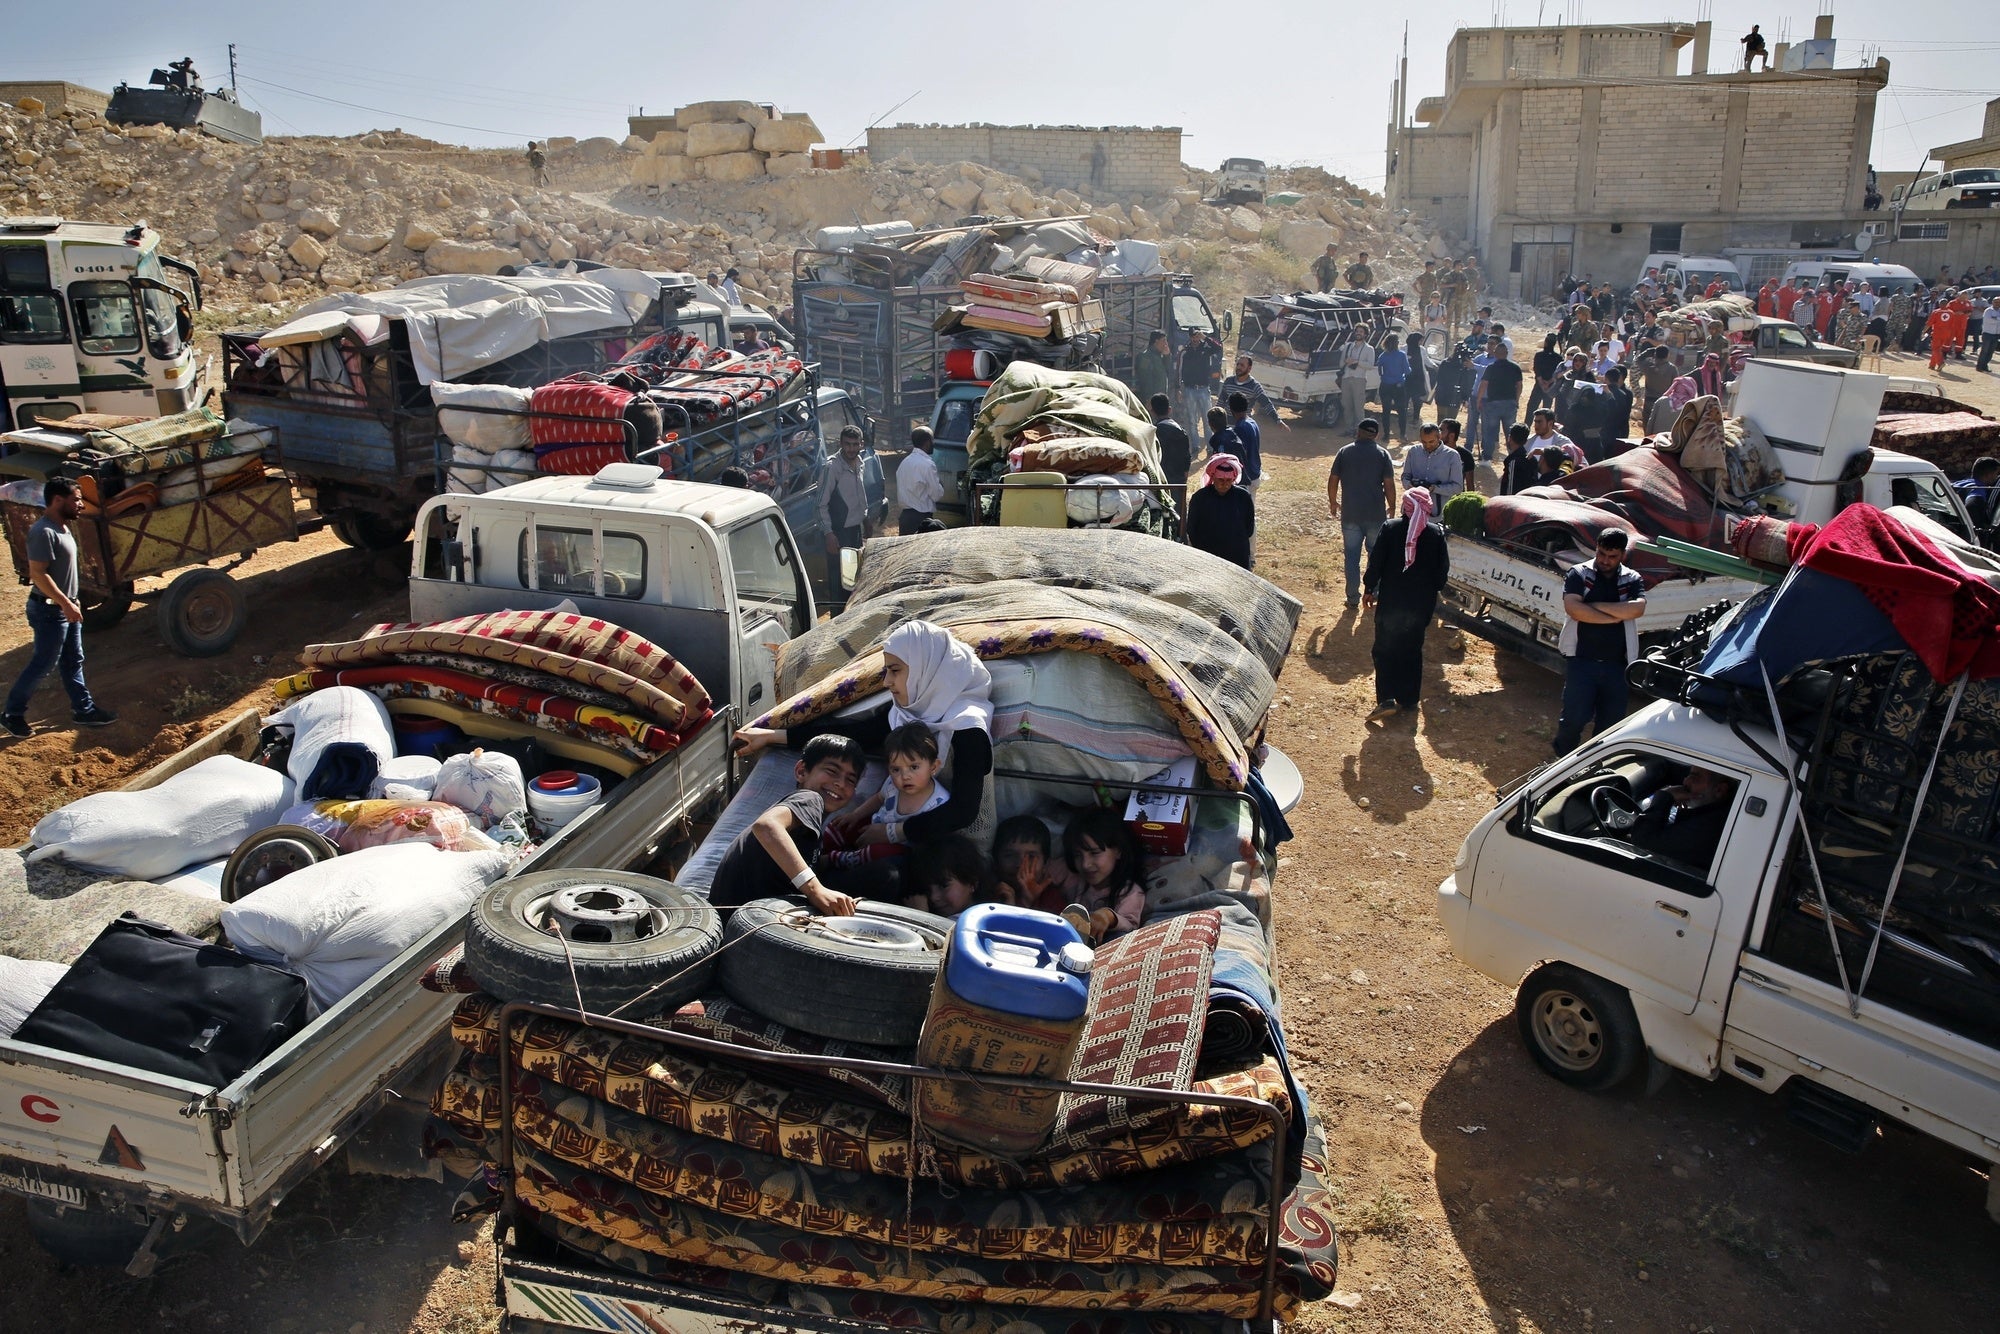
233	1153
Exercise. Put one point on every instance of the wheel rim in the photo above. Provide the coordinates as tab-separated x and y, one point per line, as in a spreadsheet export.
1567	1030
872	931
595	914
208	612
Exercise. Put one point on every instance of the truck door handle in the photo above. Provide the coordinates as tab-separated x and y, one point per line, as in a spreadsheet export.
1664	906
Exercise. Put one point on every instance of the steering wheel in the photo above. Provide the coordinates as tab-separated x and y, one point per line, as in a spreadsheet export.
1614	808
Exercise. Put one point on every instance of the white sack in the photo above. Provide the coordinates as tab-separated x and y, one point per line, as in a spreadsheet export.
1108	508
416	773
23	985
474	473
484	432
339	922
485	784
197	815
337	715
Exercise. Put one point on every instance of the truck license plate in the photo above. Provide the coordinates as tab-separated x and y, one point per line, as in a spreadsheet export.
22	1183
1513	620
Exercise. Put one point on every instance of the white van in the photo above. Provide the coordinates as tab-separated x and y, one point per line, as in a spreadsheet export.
1702	268
1885	279
1969	187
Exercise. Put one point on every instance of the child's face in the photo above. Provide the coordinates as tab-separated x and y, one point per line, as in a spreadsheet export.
952	897
834	780
1022	864
913	775
1095	862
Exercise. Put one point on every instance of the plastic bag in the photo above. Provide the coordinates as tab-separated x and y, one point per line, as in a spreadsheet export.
484	432
485	784
411	773
341	738
338	923
353	825
24	983
197	815
1111	509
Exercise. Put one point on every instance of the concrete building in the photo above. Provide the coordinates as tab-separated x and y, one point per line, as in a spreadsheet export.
56	96
1981	152
1574	150
1105	159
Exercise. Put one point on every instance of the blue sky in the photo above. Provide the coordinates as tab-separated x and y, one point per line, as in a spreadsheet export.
1288	82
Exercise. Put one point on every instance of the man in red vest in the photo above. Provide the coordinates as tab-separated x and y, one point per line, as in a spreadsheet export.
1827	302
1785	298
1947	329
1767	298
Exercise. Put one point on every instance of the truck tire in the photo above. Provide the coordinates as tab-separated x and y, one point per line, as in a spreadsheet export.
629	937
865	978
85	1238
101	611
201	613
365	530
1579	1028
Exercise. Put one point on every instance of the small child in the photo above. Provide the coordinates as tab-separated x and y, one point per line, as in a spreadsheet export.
948	876
1024	863
911	789
1105	854
774	856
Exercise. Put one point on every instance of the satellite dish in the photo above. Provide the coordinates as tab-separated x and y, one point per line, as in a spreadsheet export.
1863	241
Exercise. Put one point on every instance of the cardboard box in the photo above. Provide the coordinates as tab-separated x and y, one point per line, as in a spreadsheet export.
1162	820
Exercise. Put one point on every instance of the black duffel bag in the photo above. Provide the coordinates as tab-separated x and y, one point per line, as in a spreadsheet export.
147	996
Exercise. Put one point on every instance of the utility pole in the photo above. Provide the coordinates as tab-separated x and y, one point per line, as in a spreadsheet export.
232	67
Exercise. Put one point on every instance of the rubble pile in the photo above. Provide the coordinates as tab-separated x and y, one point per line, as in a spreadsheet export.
294	218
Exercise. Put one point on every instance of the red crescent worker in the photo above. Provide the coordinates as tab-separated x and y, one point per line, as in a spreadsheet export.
1947	328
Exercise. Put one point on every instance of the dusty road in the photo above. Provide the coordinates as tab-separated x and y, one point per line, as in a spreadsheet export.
1476	1193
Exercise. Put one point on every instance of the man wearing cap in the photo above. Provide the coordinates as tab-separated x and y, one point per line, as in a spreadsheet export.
1360	493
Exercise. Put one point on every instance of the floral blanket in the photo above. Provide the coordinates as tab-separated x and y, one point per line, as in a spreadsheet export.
669	1085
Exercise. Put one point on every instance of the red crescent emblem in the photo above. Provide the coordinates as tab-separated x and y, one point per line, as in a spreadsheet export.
38	1108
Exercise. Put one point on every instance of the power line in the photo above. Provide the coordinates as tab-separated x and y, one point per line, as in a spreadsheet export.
384	111
314	68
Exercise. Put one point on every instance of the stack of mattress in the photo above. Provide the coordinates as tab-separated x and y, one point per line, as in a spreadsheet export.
584	689
723	1175
1027	307
1942	431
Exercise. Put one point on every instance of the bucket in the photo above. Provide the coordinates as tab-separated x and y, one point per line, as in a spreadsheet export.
969	363
559	796
424	736
1010	999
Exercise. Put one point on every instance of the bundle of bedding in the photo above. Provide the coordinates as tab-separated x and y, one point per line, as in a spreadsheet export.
592	691
669	1162
1643	491
690	402
1953	441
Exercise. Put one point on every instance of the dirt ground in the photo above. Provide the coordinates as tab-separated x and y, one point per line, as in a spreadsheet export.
1475	1192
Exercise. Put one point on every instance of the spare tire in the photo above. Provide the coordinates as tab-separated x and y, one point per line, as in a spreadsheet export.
615	938
865	978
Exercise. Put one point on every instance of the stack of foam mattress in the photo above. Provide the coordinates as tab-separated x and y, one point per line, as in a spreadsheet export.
1941	431
824	1193
583	688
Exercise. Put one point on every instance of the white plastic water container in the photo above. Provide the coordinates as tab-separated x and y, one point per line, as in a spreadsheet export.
559	796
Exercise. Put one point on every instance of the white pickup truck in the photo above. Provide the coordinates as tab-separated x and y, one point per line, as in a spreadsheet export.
1719	957
709	571
1816	417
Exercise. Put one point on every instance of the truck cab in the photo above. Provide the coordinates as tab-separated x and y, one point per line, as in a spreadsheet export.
1786	341
1243	181
93	318
711	570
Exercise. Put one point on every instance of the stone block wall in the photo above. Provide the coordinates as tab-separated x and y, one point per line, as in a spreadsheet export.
1551	138
1798	149
56	96
1122	160
1661	151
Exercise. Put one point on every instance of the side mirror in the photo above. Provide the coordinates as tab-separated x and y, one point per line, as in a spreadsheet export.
1228	321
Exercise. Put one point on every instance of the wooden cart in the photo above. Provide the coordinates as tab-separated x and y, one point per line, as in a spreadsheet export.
202	611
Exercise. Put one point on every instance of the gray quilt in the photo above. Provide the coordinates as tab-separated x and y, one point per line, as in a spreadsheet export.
51	910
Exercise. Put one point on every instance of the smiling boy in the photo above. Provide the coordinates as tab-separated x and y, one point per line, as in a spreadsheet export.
773	857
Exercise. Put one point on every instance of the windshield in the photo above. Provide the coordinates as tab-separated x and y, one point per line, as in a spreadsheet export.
1977	176
1190	313
1243	164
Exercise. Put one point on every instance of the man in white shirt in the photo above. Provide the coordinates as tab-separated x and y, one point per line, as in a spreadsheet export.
1543	434
730	289
1865	298
917	485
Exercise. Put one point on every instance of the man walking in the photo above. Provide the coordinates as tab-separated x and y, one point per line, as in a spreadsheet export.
1176	455
918	489
1244	383
1154	371
1989	335
54	615
1249	441
538	164
1408	564
1498	398
1360	492
1357	368
1603	601
1326	271
1201	367
843	503
1431	466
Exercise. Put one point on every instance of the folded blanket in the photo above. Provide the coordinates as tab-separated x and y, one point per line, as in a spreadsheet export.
669	1084
609	726
579	648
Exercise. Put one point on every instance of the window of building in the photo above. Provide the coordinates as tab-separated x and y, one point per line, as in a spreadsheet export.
1666	236
1924	231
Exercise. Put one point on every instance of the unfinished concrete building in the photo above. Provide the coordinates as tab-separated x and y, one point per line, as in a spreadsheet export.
1581	150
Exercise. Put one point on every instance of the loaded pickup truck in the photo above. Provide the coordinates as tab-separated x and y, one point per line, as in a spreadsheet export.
1817	419
1781	871
710	572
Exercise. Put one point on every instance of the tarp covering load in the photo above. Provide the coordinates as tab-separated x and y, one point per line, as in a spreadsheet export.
460	322
1036	402
1205	637
1643	491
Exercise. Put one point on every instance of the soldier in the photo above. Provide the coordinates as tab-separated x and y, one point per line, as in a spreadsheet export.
1901	307
538	164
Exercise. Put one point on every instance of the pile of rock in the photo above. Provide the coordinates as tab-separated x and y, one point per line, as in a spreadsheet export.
723	141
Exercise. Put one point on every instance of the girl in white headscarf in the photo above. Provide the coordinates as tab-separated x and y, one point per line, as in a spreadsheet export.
933	679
